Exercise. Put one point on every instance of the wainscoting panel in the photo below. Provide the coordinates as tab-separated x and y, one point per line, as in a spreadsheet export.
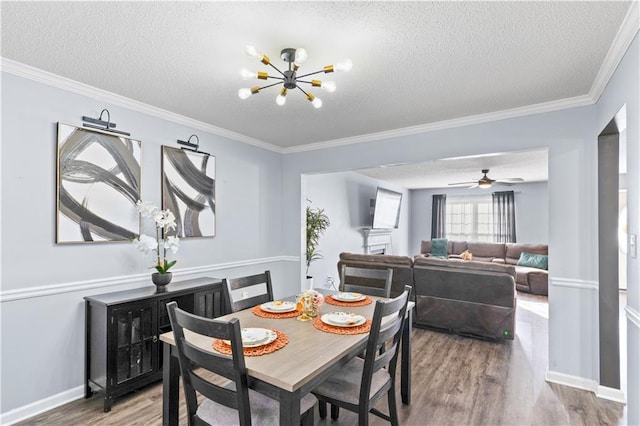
48	324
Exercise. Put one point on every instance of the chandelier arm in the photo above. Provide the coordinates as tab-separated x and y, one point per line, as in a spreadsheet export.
276	68
276	78
311	73
305	93
269	85
303	81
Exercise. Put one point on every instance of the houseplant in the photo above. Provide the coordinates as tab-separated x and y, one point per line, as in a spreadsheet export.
317	223
164	221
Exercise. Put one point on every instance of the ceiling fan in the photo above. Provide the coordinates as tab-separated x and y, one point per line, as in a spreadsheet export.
486	182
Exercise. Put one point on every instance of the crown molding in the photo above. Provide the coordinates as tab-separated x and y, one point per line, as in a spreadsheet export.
626	33
40	76
540	108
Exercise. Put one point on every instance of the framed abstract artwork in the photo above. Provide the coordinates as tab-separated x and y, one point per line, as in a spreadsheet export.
188	190
98	184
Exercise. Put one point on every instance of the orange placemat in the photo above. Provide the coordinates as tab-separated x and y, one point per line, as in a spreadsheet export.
360	329
330	300
264	314
280	342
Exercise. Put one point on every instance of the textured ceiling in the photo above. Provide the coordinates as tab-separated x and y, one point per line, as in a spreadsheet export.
532	166
414	62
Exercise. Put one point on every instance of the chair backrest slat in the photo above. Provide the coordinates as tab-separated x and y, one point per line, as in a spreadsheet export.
374	282
385	335
251	283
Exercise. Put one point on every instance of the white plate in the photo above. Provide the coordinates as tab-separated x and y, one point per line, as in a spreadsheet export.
349	297
270	337
253	337
278	306
343	319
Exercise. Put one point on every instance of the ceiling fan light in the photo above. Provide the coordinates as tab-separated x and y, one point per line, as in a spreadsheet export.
484	184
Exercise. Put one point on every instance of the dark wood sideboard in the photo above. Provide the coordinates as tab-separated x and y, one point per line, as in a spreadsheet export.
122	349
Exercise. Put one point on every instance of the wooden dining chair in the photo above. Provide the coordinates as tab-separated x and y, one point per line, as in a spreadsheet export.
359	384
374	282
234	402
259	283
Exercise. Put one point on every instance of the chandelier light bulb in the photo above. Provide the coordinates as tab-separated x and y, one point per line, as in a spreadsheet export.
281	98
252	51
244	93
247	75
329	86
344	66
316	102
301	56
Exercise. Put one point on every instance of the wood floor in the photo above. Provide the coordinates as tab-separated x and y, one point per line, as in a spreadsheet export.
456	381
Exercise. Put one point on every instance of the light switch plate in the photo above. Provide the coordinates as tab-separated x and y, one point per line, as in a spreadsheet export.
633	245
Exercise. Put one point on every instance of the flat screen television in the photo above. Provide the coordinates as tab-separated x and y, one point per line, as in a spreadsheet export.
386	210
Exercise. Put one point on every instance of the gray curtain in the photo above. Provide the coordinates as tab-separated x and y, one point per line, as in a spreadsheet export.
438	216
504	217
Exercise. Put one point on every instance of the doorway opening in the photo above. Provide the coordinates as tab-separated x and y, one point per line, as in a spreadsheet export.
612	256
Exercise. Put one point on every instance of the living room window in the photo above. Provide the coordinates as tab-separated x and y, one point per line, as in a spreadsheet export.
469	218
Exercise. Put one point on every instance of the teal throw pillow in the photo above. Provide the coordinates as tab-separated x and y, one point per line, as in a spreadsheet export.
540	261
439	247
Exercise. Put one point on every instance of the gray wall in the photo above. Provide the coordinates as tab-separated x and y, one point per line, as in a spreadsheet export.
624	89
260	225
345	197
532	212
570	136
42	311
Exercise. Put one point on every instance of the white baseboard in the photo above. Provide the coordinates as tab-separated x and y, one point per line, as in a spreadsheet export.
603	392
612	394
46	404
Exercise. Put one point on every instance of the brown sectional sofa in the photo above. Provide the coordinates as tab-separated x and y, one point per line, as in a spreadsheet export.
402	267
469	298
530	280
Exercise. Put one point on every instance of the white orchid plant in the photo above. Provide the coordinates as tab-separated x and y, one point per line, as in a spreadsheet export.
164	221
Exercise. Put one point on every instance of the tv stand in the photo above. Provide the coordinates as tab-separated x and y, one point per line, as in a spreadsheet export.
377	241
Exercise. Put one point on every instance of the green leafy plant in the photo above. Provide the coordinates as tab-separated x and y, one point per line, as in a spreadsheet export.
317	223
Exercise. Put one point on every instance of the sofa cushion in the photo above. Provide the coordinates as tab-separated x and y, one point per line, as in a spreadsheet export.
439	247
513	251
532	260
377	258
486	251
457	247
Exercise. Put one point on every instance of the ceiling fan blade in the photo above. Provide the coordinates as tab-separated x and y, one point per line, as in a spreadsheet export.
475	185
463	183
510	180
503	183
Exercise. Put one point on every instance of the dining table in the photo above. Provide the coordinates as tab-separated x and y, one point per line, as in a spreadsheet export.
286	375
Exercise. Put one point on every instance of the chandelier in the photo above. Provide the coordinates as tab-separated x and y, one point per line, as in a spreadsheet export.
289	79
